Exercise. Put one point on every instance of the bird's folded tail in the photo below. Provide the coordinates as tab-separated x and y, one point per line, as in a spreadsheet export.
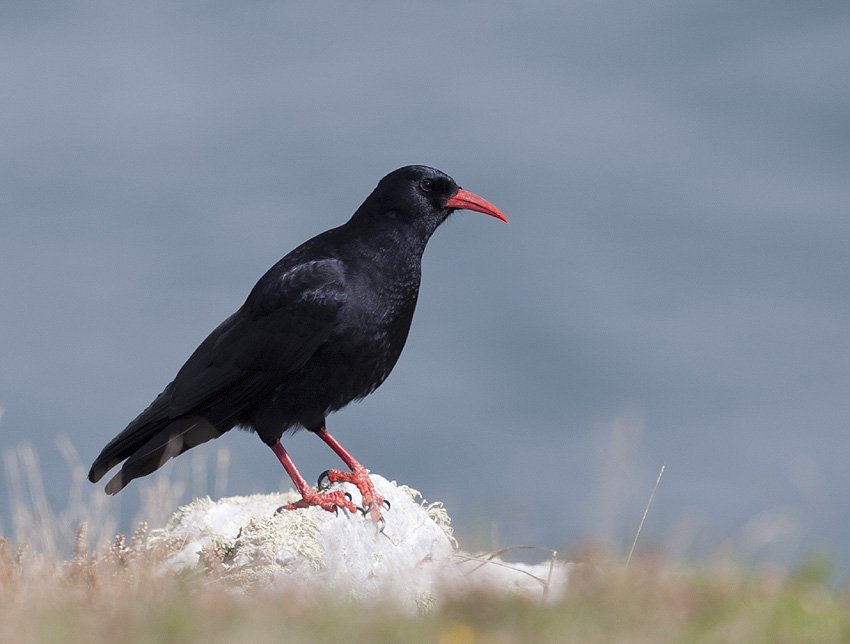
171	438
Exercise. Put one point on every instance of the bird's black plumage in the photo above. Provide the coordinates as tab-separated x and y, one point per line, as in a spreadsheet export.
323	327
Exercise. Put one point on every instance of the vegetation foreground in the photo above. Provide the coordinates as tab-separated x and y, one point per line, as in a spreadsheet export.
121	594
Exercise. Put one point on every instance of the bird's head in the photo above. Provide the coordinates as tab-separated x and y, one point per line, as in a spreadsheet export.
423	195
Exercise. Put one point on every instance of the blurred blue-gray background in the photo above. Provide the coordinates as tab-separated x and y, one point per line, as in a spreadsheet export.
673	288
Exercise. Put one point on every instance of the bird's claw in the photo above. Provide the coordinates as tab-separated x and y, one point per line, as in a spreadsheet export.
368	506
372	501
324	481
329	501
381	521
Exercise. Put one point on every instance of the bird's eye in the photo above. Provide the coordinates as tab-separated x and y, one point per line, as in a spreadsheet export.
426	185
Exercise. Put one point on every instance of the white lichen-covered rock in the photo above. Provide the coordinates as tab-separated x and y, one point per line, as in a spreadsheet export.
411	560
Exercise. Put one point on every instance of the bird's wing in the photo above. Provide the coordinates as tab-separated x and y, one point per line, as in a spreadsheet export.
288	316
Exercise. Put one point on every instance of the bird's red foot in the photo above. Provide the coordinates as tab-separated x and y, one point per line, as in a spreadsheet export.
330	501
372	501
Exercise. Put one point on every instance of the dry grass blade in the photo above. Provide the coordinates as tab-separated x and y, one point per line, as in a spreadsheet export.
643	518
490	559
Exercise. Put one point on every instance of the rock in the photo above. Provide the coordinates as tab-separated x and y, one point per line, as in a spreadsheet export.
413	562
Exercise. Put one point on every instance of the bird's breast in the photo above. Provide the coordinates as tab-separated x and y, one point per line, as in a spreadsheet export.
367	349
354	361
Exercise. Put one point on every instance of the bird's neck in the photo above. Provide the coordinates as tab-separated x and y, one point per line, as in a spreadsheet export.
393	245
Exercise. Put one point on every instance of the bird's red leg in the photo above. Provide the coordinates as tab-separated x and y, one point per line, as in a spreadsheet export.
329	501
372	501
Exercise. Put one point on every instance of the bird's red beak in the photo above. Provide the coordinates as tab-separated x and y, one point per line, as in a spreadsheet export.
469	201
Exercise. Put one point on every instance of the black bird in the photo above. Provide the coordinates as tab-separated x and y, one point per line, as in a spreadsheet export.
323	327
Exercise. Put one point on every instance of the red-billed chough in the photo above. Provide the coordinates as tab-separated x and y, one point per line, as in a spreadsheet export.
323	327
